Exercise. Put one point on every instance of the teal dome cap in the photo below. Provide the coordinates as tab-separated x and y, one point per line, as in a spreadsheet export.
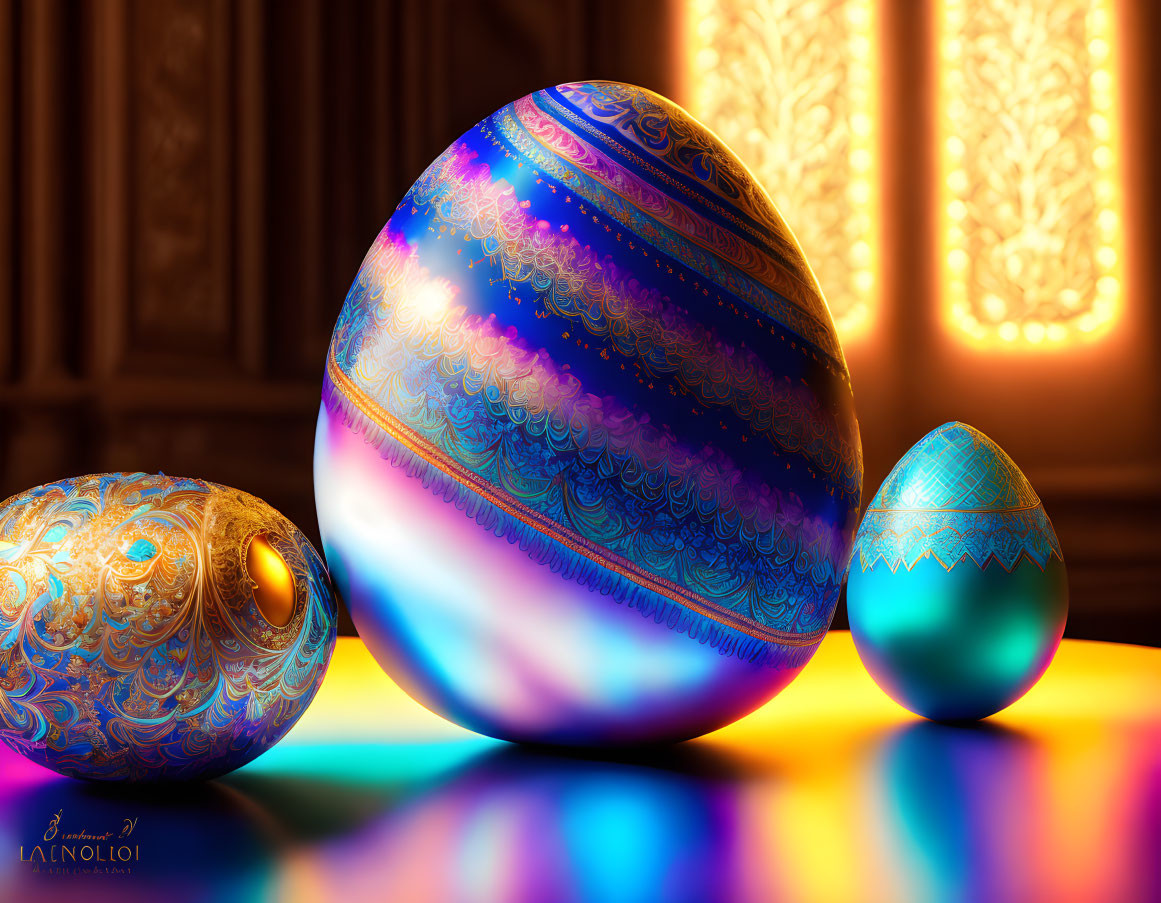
955	467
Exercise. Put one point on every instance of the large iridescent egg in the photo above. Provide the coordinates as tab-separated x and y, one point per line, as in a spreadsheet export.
155	628
587	466
957	593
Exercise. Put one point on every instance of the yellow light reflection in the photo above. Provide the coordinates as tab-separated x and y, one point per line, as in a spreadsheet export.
829	792
789	85
1032	230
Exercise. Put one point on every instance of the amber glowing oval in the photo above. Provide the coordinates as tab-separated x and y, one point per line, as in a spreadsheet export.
273	582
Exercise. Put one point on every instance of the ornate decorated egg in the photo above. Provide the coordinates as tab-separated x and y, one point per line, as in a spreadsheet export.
957	593
587	467
155	628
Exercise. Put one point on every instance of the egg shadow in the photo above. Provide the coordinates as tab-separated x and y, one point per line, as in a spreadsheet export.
691	758
310	809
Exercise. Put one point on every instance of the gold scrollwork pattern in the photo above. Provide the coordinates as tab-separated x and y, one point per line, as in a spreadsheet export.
133	644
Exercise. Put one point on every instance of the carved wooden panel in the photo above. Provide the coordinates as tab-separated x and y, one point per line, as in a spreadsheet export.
8	192
180	176
187	188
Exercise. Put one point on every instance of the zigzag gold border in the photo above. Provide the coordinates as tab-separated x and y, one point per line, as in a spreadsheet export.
598	554
1001	510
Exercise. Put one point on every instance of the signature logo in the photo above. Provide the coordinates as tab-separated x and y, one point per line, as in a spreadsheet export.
52	825
68	852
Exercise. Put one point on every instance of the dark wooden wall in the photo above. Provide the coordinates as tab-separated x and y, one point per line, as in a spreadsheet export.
187	188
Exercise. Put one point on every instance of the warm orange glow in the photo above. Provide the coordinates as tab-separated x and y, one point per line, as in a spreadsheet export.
790	86
1029	186
273	582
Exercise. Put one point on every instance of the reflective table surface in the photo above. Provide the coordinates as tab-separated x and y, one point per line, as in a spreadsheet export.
829	793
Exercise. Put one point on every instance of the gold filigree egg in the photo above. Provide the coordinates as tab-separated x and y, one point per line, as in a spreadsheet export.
155	627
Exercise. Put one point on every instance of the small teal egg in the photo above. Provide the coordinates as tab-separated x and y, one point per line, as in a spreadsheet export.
957	594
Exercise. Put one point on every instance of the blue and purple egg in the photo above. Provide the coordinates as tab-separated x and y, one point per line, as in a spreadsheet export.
587	466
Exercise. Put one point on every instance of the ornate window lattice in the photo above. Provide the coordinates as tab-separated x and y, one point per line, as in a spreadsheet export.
1030	240
1031	221
788	85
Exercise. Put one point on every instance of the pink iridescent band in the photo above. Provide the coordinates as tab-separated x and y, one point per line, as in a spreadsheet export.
578	544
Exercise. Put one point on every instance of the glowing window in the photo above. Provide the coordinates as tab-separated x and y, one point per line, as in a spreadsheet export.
788	85
1030	199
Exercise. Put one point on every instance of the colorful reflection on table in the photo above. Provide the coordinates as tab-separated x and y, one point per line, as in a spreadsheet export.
830	793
